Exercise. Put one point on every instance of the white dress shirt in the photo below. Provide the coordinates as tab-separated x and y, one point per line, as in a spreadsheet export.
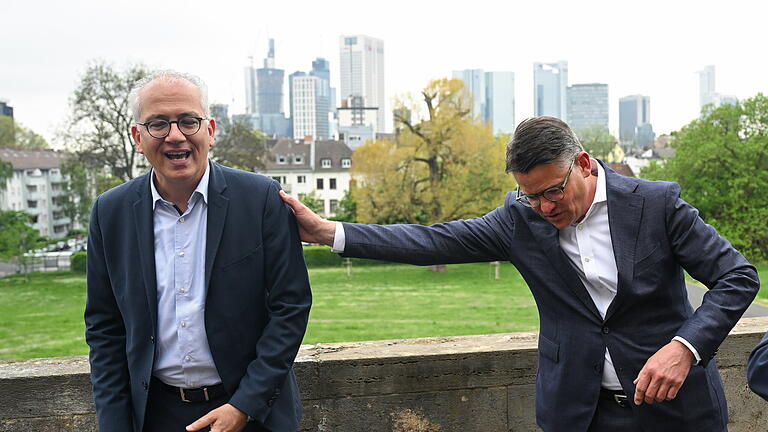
589	248
183	357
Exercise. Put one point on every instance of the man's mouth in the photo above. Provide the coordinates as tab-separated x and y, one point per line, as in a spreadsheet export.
177	154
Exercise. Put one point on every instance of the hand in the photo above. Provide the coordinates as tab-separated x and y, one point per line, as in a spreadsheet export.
663	374
225	418
312	228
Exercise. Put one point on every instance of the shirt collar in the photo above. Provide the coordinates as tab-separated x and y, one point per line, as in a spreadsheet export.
202	188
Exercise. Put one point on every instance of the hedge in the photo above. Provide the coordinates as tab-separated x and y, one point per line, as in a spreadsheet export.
77	262
321	256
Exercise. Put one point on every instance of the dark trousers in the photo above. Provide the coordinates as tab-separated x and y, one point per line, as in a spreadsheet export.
166	412
612	417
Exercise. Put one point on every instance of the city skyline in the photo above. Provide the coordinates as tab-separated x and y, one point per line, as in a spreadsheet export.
42	63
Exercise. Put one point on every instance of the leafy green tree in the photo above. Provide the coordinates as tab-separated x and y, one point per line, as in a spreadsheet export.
312	201
446	166
239	146
17	237
100	128
14	135
598	142
347	210
83	186
721	163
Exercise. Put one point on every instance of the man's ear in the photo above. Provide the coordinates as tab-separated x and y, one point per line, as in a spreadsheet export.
211	131
137	138
585	163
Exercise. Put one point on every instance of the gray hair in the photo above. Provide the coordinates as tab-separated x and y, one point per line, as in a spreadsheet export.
541	140
167	76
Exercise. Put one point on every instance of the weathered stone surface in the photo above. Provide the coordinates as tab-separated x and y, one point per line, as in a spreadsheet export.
467	383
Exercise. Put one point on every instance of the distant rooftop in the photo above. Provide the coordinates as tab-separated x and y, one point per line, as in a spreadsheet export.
26	159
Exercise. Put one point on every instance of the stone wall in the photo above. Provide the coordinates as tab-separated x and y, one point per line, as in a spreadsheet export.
467	383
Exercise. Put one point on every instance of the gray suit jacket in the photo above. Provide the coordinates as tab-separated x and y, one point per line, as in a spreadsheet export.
655	235
256	308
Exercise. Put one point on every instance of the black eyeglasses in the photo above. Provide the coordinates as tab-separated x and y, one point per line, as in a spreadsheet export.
188	125
553	194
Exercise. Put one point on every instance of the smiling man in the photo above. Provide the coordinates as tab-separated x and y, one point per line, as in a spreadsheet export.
197	298
620	347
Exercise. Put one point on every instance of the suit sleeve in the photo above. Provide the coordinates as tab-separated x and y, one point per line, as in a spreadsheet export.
105	334
757	369
289	299
710	259
479	239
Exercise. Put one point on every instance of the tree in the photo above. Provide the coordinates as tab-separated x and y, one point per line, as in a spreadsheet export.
312	202
598	142
444	167
83	186
17	237
99	130
14	135
347	210
239	146
721	164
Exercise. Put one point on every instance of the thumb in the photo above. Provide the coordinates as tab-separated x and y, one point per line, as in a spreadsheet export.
202	422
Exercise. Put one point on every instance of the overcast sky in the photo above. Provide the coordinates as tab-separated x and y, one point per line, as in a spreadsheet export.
648	47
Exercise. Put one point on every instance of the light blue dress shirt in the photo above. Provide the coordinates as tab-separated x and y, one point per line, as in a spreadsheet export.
183	357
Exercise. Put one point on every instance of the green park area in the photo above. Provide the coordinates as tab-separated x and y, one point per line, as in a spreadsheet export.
44	317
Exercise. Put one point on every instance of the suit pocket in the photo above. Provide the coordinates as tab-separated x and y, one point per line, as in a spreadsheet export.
548	349
648	259
239	260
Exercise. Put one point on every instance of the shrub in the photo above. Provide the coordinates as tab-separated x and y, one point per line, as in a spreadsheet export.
77	262
321	256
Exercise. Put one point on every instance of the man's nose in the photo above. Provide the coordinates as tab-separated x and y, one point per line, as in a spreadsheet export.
175	135
546	206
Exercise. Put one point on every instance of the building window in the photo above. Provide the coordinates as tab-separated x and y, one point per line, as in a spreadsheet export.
59	228
31	204
31	188
54	171
33	219
301	179
281	159
334	205
325	163
346	162
319	184
332	183
298	159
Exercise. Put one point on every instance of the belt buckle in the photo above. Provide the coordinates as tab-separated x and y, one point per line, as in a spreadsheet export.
622	400
183	395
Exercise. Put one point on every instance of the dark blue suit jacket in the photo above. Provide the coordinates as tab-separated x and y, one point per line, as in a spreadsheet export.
655	236
757	369
256	309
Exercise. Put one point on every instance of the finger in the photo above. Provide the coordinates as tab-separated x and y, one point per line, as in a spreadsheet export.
652	390
641	384
663	393
672	393
291	201
202	422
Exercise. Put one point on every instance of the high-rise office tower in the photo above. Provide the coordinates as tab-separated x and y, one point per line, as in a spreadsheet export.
309	106
707	93
362	71
587	106
493	95
550	83
270	85
634	111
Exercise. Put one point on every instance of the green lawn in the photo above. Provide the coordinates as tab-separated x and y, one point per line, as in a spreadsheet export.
762	270
44	317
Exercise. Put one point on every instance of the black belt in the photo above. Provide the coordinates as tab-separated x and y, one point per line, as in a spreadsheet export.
200	394
616	396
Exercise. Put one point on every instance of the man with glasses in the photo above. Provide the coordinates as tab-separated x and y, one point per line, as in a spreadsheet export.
198	298
620	347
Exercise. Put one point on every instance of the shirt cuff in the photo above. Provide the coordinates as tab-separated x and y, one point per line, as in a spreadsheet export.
690	347
339	240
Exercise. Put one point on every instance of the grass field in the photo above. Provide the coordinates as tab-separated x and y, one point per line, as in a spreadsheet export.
44	317
762	270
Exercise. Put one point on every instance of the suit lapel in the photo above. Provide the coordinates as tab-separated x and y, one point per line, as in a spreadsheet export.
218	204
145	235
625	210
548	237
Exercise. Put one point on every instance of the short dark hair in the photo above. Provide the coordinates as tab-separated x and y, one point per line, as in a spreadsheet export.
541	140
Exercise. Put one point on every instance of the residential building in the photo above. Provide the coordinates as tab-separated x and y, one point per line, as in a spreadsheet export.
493	97
306	166
362	72
550	83
587	106
37	187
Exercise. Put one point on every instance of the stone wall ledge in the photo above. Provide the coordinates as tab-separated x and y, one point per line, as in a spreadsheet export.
463	383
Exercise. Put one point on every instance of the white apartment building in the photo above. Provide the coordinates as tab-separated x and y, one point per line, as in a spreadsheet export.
305	166
37	187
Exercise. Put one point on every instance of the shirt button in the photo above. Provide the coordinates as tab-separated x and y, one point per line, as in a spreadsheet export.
183	324
182	290
580	227
606	330
585	259
181	220
187	358
181	254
